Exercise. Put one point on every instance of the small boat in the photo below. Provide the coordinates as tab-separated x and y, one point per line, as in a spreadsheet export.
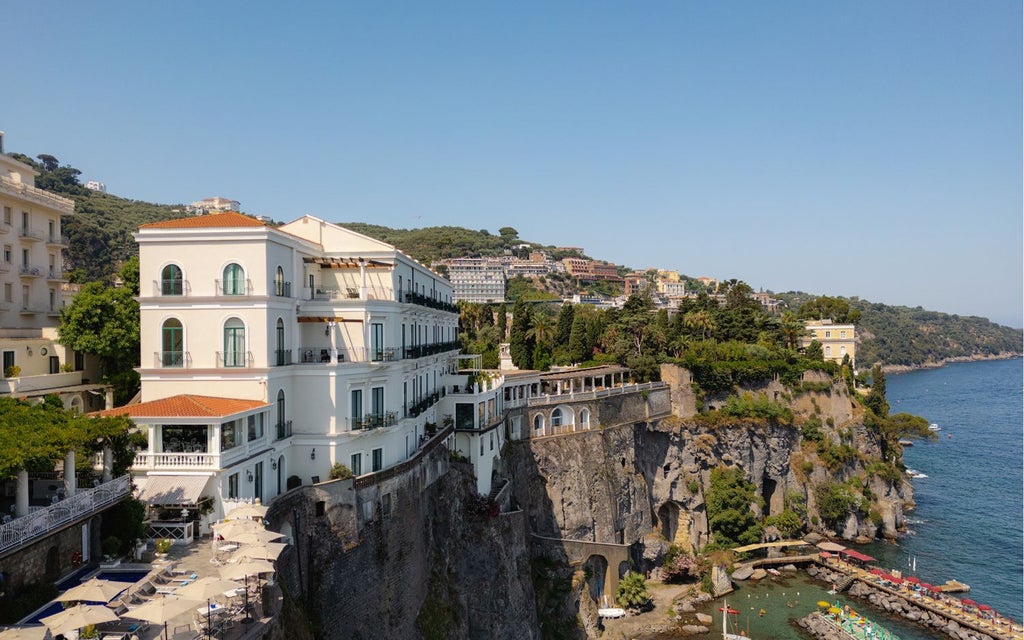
774	572
906	443
726	611
934	427
914	473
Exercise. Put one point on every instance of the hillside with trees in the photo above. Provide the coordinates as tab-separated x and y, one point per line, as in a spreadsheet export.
100	242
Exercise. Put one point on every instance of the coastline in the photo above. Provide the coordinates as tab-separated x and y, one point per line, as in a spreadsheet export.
906	368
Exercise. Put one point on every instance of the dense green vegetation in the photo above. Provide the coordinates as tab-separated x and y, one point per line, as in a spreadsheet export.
898	335
36	437
100	231
730	517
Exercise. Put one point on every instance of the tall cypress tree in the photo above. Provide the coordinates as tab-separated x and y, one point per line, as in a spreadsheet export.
578	348
503	321
564	328
520	346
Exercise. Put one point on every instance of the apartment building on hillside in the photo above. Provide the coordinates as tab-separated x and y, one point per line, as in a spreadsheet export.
477	280
33	292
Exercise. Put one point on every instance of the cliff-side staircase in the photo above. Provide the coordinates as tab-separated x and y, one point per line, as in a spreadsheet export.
844	583
496	488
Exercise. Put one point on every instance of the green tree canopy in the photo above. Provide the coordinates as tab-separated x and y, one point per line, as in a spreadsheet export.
730	501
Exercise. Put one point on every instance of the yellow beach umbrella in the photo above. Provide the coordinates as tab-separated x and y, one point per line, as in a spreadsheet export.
824	604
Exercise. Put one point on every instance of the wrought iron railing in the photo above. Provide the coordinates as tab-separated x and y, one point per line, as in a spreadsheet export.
284	430
23	530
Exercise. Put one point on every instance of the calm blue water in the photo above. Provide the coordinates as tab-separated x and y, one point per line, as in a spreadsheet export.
968	521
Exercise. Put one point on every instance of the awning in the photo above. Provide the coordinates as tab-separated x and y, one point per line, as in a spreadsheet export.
856	555
173	490
830	546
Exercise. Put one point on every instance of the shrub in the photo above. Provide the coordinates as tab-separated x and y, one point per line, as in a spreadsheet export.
12	371
111	546
632	592
678	565
788	523
693	486
340	472
163	545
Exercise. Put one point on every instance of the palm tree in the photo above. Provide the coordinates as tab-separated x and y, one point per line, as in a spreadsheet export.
792	329
541	328
700	320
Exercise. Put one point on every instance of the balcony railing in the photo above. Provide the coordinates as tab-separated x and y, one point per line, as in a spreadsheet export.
284	430
373	421
28	233
283	289
21	531
423	350
414	409
427	301
233	359
175	359
54	274
64	205
57	240
232	287
171	287
176	460
30	271
282	357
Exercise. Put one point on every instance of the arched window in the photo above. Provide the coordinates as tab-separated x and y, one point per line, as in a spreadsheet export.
279	282
171	281
842	351
280	410
283	355
234	343
585	418
556	417
234	280
538	422
828	351
172	343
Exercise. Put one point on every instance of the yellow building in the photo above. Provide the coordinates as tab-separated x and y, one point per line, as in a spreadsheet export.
836	340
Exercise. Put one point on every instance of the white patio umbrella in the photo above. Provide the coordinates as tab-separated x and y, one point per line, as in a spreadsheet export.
94	590
254	537
244	570
26	633
265	551
77	617
207	588
249	511
228	527
162	610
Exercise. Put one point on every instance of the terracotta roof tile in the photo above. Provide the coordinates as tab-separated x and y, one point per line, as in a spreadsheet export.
212	221
184	406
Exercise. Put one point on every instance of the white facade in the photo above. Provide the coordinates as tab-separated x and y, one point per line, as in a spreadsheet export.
96	185
342	341
32	286
477	280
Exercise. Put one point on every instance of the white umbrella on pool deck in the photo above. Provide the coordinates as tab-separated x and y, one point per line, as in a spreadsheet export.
244	570
249	511
265	551
162	610
77	617
207	588
254	537
229	527
94	590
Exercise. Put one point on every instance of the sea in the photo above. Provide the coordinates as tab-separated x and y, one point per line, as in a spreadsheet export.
968	520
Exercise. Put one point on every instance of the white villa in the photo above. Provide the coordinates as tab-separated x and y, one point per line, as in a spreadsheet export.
271	353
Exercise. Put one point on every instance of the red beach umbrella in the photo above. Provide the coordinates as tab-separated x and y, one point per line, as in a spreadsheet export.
896	579
825	554
968	601
933	588
984	607
914	580
878	572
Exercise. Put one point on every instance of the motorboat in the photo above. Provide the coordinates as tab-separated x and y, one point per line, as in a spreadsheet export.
914	473
934	427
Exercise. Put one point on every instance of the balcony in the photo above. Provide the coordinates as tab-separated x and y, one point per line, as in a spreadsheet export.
373	421
231	288
171	287
422	351
283	430
234	359
176	460
57	240
172	359
30	234
24	530
282	357
25	384
64	205
54	275
416	408
427	301
283	289
30	271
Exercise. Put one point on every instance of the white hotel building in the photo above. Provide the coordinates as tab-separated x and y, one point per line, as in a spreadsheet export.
271	353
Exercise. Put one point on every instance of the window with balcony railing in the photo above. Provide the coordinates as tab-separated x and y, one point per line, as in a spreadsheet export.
284	429
173	359
282	357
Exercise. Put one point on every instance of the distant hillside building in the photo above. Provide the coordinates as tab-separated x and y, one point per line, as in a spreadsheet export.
211	205
837	340
591	270
477	280
95	185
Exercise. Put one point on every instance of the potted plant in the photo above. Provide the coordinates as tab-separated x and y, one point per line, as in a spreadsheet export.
162	546
12	371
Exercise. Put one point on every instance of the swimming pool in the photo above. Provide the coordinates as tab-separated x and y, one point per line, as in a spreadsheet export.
128	577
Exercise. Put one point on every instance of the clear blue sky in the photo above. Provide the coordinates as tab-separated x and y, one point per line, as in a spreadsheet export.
868	148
